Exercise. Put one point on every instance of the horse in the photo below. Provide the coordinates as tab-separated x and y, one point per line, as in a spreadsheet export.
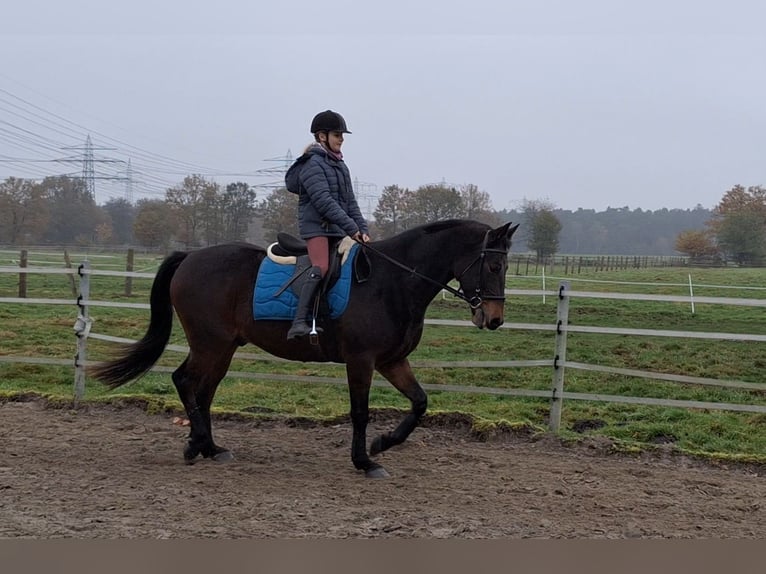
211	291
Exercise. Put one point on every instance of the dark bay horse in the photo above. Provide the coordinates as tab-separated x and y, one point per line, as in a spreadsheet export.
211	291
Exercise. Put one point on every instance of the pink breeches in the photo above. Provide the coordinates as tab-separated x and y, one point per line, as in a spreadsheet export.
319	253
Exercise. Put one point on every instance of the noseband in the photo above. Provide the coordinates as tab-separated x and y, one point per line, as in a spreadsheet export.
474	301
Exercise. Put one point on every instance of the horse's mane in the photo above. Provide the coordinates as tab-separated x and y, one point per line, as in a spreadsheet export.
411	235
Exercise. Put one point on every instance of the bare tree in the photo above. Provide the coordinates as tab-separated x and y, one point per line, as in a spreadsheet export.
478	205
238	206
188	201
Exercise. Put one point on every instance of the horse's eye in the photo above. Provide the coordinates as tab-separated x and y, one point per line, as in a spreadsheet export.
495	267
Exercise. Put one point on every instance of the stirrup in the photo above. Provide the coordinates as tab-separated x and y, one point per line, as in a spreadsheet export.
314	333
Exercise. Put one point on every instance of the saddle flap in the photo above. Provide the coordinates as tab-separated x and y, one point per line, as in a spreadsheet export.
274	297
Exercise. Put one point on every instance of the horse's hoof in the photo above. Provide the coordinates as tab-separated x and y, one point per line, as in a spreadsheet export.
377	472
223	456
190	454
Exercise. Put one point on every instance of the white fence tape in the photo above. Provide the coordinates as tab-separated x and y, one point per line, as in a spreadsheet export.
558	363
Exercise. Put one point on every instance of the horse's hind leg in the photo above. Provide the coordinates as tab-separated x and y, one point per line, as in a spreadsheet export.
196	381
400	375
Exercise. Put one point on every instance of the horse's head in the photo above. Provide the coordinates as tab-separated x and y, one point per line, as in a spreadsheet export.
483	278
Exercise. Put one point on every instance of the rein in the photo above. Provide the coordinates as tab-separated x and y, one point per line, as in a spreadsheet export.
474	301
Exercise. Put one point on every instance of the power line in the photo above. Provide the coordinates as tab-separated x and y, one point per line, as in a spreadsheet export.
40	135
88	170
41	146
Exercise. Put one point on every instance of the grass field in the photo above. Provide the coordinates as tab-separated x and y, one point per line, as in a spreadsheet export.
37	330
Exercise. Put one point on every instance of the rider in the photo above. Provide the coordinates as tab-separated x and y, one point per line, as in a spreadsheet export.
327	206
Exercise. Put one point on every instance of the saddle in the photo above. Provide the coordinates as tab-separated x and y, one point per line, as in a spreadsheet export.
291	250
284	270
290	246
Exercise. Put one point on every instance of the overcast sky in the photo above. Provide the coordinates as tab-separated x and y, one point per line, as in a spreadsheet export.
585	104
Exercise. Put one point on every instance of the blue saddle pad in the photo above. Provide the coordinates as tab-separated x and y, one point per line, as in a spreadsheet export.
273	276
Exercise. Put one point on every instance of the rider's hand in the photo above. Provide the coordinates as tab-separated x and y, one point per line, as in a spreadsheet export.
360	237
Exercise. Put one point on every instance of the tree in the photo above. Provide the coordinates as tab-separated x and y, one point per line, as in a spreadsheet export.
74	215
697	244
238	209
280	213
432	203
24	212
154	224
122	214
104	234
542	228
211	215
191	205
391	211
477	205
739	224
741	237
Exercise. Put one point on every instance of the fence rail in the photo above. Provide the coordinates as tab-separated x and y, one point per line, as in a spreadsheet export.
557	363
526	264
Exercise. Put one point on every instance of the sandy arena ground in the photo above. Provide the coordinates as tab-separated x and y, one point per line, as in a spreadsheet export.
117	472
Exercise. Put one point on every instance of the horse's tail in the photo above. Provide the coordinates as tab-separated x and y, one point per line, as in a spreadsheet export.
138	358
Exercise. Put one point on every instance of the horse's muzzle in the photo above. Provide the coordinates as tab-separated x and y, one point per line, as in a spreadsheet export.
489	314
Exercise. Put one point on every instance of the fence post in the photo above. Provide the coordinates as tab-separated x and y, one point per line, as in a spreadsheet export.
691	292
559	358
68	265
129	268
23	276
81	330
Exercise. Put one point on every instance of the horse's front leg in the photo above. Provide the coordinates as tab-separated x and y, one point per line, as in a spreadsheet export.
359	381
401	376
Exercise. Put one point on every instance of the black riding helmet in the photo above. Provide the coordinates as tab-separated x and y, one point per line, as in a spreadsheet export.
329	121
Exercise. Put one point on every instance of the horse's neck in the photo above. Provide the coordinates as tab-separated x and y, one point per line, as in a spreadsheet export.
437	258
432	257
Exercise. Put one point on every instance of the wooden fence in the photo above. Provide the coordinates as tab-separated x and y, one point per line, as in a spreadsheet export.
557	363
528	265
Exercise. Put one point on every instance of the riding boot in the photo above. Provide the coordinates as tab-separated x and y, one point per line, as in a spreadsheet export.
301	325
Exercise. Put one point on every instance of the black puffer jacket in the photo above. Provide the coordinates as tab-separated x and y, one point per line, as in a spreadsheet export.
326	203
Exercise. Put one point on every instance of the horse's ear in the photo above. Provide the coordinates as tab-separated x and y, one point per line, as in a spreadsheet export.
503	233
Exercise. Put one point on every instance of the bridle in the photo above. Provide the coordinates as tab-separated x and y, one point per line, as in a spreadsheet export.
477	299
474	301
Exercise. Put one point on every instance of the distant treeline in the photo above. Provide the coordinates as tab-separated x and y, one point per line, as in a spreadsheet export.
618	231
